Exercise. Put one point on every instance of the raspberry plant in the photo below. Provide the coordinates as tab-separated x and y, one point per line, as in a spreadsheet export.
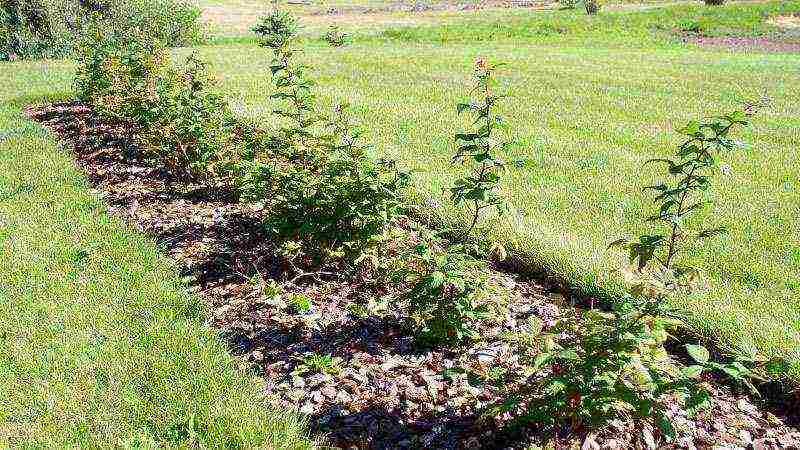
478	149
692	171
445	290
293	87
322	184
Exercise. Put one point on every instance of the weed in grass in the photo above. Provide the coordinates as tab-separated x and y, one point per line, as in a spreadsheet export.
335	37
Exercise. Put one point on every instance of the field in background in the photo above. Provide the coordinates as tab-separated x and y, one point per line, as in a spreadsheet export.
588	109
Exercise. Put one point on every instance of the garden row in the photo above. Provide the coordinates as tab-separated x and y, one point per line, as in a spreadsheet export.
337	211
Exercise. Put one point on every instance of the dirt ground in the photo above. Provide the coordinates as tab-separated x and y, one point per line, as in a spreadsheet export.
385	392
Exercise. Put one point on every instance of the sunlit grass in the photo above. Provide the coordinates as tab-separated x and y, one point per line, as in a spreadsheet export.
586	119
101	346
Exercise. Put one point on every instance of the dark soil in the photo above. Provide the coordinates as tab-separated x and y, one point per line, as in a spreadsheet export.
421	6
762	44
384	392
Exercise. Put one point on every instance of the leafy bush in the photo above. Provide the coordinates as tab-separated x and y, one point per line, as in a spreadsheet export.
178	114
50	28
445	289
694	166
593	366
117	71
191	128
322	185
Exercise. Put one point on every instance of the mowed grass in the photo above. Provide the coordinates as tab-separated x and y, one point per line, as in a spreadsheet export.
586	115
627	23
101	346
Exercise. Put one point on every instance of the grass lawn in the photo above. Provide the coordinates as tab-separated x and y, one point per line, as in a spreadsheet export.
588	108
100	343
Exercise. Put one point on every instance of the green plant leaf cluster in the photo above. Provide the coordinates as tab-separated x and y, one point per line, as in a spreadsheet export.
480	148
445	289
692	171
321	182
176	111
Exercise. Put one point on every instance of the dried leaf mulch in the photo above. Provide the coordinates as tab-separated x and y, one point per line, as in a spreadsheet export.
332	349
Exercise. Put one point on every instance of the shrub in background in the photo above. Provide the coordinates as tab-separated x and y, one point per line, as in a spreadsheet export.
714	2
335	37
568	4
592	6
50	28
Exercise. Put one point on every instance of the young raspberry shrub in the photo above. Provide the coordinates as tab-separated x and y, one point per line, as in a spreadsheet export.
692	170
175	111
479	149
321	182
117	71
596	366
447	290
192	128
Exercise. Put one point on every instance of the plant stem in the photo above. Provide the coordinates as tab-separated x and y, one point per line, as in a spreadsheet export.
672	250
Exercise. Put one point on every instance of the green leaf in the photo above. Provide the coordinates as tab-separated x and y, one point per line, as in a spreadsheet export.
691	129
692	371
541	360
665	425
437	279
569	355
461	107
698	353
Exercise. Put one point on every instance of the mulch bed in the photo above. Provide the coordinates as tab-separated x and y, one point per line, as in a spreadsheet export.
761	44
419	6
387	393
